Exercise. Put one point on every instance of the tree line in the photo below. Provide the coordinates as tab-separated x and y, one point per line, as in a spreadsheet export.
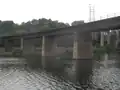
35	25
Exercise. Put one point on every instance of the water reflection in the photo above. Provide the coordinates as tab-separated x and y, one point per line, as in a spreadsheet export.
22	77
106	74
91	74
98	75
83	72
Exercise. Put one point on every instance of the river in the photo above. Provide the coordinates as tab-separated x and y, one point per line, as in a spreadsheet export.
16	75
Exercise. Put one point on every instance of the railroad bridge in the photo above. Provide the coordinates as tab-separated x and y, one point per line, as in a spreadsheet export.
44	44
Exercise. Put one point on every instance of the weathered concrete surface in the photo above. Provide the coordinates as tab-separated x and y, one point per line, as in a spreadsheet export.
49	53
82	53
30	45
82	48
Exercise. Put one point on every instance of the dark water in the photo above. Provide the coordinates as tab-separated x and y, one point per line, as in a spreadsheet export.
16	75
105	75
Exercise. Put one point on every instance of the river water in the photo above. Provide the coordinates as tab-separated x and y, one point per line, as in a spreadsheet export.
16	75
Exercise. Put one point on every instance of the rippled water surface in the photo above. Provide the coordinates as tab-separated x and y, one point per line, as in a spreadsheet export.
107	76
16	75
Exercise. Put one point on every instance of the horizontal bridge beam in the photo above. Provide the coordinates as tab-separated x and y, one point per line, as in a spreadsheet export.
96	26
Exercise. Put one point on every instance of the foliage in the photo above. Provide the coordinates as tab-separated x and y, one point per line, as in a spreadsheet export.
65	56
41	24
6	27
74	23
101	50
9	27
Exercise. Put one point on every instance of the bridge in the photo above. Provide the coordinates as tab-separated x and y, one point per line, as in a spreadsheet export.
82	42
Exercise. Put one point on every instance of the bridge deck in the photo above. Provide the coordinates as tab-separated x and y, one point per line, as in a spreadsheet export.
96	26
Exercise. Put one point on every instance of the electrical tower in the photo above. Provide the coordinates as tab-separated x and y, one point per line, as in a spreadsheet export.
91	19
91	13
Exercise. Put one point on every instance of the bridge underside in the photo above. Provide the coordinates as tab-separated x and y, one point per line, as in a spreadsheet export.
44	45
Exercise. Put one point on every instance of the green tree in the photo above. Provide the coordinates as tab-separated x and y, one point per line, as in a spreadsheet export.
6	27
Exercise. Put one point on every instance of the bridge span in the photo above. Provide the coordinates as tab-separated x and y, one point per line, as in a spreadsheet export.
82	42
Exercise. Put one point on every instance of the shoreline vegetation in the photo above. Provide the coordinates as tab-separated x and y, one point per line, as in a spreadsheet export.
100	51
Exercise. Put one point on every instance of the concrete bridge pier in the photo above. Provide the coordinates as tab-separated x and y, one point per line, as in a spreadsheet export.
82	53
7	45
21	43
17	46
21	46
48	52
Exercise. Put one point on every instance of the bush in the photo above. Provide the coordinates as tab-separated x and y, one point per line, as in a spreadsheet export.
100	51
104	49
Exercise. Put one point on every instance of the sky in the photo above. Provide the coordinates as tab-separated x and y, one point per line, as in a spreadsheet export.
65	11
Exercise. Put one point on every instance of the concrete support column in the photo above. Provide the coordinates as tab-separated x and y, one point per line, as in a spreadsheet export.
102	39
117	38
113	40
48	51
8	45
75	46
108	37
94	35
21	43
82	46
82	53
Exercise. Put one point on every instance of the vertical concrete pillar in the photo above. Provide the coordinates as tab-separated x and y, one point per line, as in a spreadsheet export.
5	45
75	46
43	52
94	36
102	39
117	38
8	45
82	46
82	53
113	40
21	43
48	51
108	37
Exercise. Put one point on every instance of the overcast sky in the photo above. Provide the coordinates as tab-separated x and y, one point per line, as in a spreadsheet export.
62	10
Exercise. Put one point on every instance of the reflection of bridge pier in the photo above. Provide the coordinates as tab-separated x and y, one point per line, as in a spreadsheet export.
48	51
82	53
22	43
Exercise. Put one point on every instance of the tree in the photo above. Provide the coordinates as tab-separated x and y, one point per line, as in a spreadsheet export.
42	24
77	23
7	27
